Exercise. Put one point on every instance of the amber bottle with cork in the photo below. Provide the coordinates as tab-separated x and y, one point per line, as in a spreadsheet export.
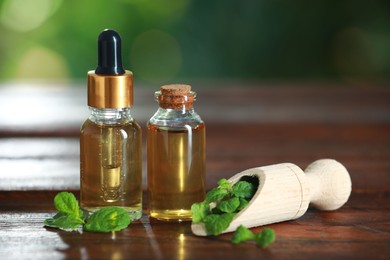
110	139
175	155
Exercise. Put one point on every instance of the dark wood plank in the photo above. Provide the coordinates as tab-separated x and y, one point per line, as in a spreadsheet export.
362	148
44	110
53	163
39	163
246	127
347	233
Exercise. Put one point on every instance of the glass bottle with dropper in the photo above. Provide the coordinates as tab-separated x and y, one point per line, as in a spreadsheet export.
110	139
175	155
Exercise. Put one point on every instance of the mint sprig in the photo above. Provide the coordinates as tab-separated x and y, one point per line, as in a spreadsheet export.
66	202
263	239
108	219
216	194
229	205
64	221
71	217
199	211
222	204
242	234
266	237
243	189
216	223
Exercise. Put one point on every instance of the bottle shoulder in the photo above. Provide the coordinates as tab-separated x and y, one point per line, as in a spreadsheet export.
90	126
111	116
175	118
177	129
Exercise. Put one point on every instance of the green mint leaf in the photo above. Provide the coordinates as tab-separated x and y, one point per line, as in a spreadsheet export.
83	214
243	204
224	184
229	206
242	234
67	203
216	224
64	221
216	194
199	211
243	189
266	237
217	211
108	219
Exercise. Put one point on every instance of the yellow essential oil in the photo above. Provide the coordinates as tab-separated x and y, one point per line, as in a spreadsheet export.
176	157
111	166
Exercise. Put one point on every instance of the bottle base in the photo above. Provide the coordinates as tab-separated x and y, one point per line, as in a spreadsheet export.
179	215
135	214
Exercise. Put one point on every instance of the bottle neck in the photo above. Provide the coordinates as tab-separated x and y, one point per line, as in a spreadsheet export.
179	109
175	117
111	116
175	108
173	114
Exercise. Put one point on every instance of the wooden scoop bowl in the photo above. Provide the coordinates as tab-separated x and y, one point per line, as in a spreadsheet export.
285	191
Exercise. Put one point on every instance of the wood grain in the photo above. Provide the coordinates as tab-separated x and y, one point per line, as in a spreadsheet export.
246	127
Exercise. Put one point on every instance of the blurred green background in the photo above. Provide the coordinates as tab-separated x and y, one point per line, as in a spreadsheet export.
172	40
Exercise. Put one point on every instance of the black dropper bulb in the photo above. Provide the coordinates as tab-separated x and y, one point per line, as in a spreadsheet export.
109	54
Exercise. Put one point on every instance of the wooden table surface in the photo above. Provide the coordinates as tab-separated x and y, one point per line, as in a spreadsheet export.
247	126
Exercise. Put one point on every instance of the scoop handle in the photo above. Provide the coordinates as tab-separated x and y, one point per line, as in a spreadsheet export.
330	184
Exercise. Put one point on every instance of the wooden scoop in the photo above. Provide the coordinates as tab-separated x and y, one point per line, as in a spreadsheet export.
285	191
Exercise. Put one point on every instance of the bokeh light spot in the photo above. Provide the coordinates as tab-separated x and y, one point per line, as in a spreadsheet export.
156	56
42	63
23	16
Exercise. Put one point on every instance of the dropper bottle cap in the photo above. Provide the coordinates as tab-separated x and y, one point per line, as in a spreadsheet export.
110	85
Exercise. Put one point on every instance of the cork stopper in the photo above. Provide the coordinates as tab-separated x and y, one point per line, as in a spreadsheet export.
176	96
175	90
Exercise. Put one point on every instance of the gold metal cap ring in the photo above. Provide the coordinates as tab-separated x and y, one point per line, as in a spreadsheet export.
110	91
